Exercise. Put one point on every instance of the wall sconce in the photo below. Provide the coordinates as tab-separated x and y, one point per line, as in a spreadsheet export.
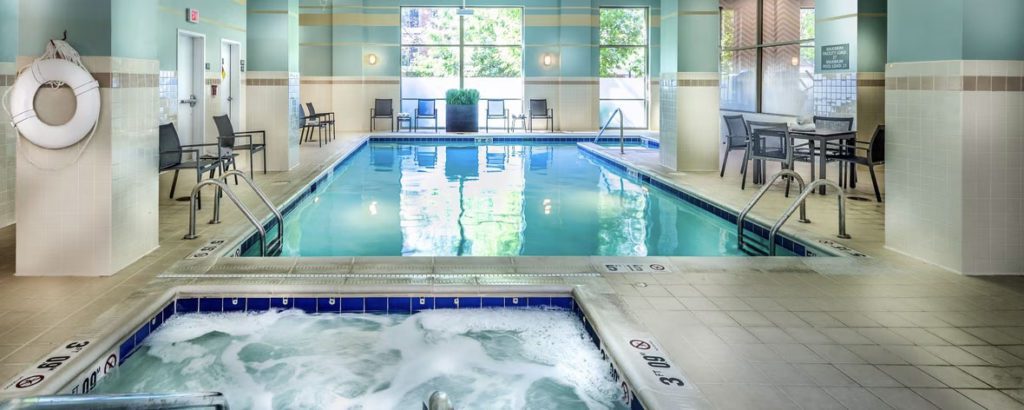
371	59
795	61
548	60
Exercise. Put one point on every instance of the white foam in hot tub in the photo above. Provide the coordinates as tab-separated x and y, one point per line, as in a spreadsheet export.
483	358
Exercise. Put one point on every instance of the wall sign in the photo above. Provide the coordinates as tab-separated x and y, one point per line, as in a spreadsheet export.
192	15
835	57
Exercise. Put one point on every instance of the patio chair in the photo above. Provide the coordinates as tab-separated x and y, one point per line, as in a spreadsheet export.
172	156
539	111
326	118
832	150
496	111
382	109
873	154
427	110
228	136
309	124
769	142
736	139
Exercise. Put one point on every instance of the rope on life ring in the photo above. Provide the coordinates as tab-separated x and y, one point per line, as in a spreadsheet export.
60	65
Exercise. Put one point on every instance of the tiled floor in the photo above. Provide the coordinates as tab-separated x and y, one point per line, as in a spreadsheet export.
812	333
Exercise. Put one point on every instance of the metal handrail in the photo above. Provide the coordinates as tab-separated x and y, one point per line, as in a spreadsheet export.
760	193
120	401
622	132
222	187
799	201
259	192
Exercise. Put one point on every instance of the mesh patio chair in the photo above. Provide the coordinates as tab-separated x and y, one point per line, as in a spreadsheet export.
496	111
736	139
769	142
868	154
426	110
228	136
172	156
382	109
310	123
830	150
326	118
539	111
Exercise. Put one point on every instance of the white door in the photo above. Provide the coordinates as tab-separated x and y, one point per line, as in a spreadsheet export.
229	73
188	93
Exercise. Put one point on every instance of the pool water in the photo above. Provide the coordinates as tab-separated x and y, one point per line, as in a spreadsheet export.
483	358
467	199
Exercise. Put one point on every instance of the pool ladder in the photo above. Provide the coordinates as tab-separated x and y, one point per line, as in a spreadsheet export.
622	130
266	249
143	401
801	202
438	400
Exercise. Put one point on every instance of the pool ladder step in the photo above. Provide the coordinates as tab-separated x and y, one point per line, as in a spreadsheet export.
272	248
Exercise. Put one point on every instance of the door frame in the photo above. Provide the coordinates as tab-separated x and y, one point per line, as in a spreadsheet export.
198	82
235	74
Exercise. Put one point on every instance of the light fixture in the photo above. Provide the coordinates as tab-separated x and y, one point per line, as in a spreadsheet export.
371	59
795	61
548	60
373	208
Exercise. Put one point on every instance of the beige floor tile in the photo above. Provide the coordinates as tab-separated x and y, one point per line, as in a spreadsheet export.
992	399
808	335
954	377
836	354
955	355
902	398
855	398
948	399
741	396
998	377
811	398
867	375
825	375
911	376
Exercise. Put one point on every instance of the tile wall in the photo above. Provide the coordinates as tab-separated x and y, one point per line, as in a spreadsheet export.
276	113
8	146
692	128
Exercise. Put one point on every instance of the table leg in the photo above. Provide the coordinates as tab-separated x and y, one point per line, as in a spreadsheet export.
811	145
822	165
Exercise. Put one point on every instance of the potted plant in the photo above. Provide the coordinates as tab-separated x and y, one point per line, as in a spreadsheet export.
462	112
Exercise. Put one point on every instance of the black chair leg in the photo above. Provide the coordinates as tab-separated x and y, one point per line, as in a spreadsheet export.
252	172
743	184
874	182
725	160
789	181
174	183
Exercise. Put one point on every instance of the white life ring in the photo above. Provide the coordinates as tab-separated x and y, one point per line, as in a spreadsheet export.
23	112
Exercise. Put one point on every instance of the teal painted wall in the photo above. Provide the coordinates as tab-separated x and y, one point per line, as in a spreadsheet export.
871	35
87	23
131	26
340	50
219	20
273	35
835	23
926	30
8	30
994	30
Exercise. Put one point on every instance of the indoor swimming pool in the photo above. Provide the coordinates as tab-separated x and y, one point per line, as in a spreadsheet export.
538	358
497	198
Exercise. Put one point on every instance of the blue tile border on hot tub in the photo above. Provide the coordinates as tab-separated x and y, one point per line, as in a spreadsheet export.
354	304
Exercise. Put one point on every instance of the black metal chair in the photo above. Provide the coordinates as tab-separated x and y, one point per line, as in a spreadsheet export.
736	139
829	150
326	118
768	142
426	110
539	111
382	109
309	124
227	141
496	111
172	156
873	154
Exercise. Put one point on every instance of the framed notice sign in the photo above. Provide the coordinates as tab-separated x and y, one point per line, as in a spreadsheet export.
835	57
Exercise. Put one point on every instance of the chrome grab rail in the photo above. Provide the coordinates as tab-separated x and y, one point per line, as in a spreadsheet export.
800	201
222	187
259	192
120	401
438	400
760	193
622	132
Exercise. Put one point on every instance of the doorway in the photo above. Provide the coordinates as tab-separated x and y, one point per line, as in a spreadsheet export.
230	80
191	104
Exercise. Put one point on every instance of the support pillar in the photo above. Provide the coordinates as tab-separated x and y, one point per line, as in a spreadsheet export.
272	80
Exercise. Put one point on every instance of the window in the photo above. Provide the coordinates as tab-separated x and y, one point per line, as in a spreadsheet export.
442	50
623	65
767	56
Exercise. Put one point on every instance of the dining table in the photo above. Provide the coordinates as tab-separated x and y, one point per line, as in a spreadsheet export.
818	139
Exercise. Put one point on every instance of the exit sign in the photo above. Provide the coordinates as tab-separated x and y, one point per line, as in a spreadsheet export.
192	15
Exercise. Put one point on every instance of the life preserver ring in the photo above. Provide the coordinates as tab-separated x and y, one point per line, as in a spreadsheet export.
23	112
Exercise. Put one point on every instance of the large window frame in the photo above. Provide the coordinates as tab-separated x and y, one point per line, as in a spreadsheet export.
462	47
759	47
646	47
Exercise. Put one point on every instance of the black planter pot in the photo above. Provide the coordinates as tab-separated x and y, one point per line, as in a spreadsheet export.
462	118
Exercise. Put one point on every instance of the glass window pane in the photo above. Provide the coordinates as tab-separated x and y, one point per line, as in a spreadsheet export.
501	26
634	113
427	72
781	21
623	62
739	80
623	88
739	23
788	81
430	25
624	26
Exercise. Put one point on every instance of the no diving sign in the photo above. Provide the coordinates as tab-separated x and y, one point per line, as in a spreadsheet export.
636	267
30	379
